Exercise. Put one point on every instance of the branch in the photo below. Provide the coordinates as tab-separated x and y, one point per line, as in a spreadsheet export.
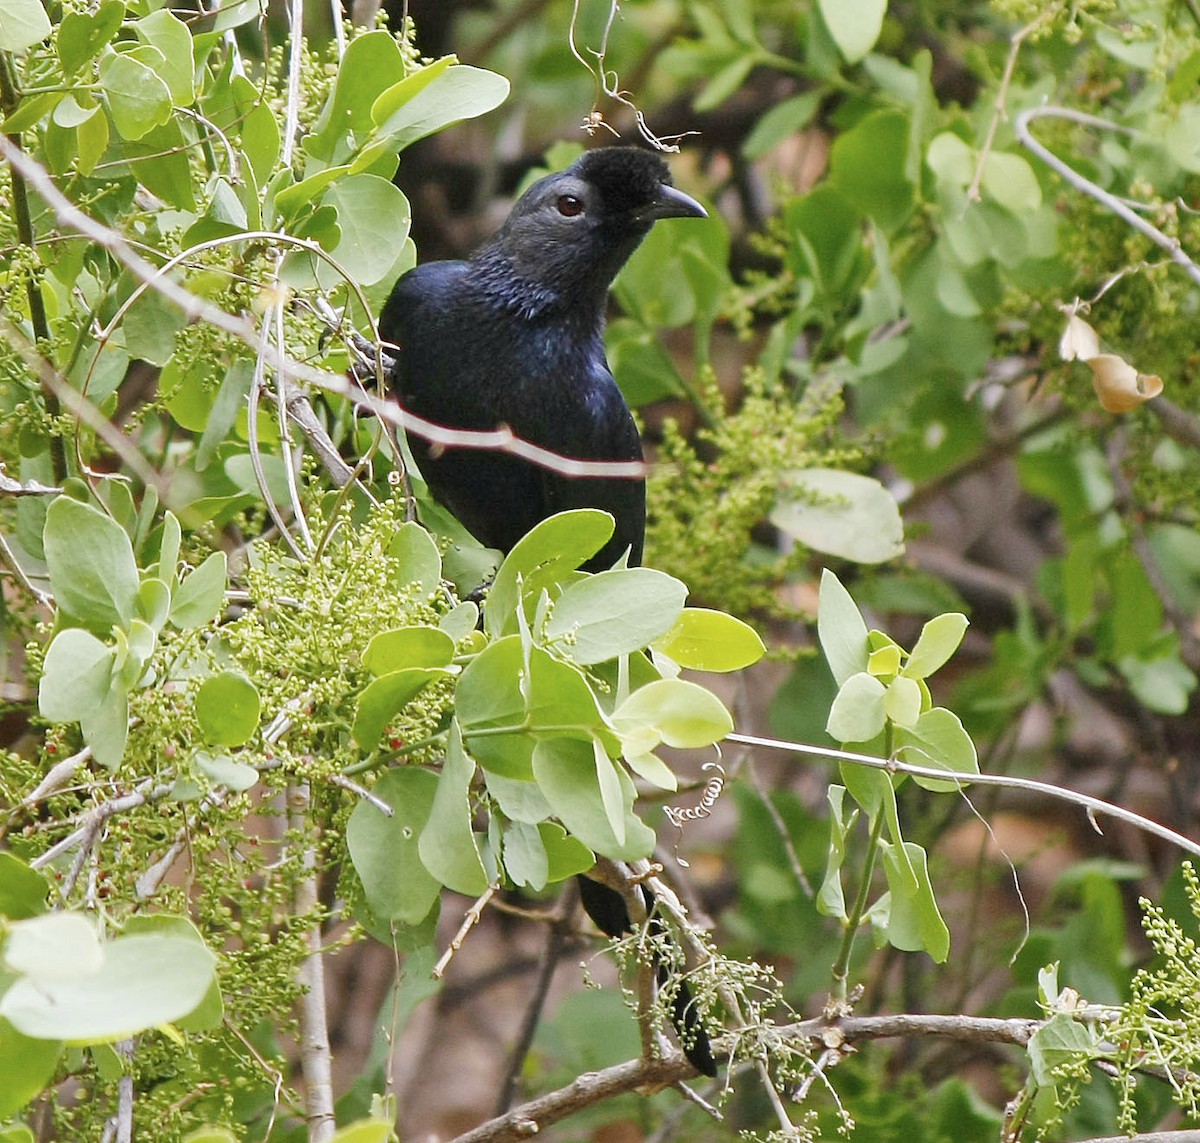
316	1058
526	1121
502	439
1120	208
893	766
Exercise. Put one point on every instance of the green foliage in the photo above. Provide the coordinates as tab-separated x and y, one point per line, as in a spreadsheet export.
259	712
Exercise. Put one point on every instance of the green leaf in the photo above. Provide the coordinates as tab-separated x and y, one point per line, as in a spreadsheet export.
553	549
168	550
53	947
28	1066
227	709
854	25
153	603
608	778
615	613
525	857
902	702
565	854
1162	682
1010	180
489	697
82	35
200	596
519	800
210	1135
782	120
841	513
222	770
857	713
235	386
137	98
650	768
23	23
76	678
869	164
208	1014
704	640
841	630
418	556
106	729
565	769
22	890
364	73
151	323
939	640
914	922
447	846
92	570
408	647
460	92
364	1131
170	36
831	901
367	206
144	981
683	714
938	740
385	849
385	697
1061	1040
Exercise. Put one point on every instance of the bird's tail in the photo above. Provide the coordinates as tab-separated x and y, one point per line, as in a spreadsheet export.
608	911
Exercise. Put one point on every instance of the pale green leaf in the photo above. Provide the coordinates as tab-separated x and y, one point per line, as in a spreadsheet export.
615	613
385	849
857	713
840	629
841	513
23	23
145	981
704	640
854	25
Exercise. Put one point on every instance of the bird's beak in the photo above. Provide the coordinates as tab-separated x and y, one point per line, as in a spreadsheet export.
671	203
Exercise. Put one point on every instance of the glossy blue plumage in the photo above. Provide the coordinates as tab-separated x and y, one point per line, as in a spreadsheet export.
514	336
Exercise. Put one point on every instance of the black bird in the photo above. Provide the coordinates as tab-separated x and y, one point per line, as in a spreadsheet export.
514	336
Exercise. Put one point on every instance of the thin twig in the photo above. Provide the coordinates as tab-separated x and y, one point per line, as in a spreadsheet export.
361	791
469	922
1080	183
1092	805
1000	109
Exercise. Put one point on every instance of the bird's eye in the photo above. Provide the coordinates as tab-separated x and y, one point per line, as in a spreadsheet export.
569	206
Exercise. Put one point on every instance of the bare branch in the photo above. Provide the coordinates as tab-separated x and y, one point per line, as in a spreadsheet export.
316	1058
1092	805
1120	208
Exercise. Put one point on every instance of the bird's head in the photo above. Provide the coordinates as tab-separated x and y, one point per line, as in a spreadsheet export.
570	233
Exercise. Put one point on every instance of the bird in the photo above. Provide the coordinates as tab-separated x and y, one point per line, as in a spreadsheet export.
514	336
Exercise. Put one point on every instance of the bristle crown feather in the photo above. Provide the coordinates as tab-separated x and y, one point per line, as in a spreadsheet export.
626	177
